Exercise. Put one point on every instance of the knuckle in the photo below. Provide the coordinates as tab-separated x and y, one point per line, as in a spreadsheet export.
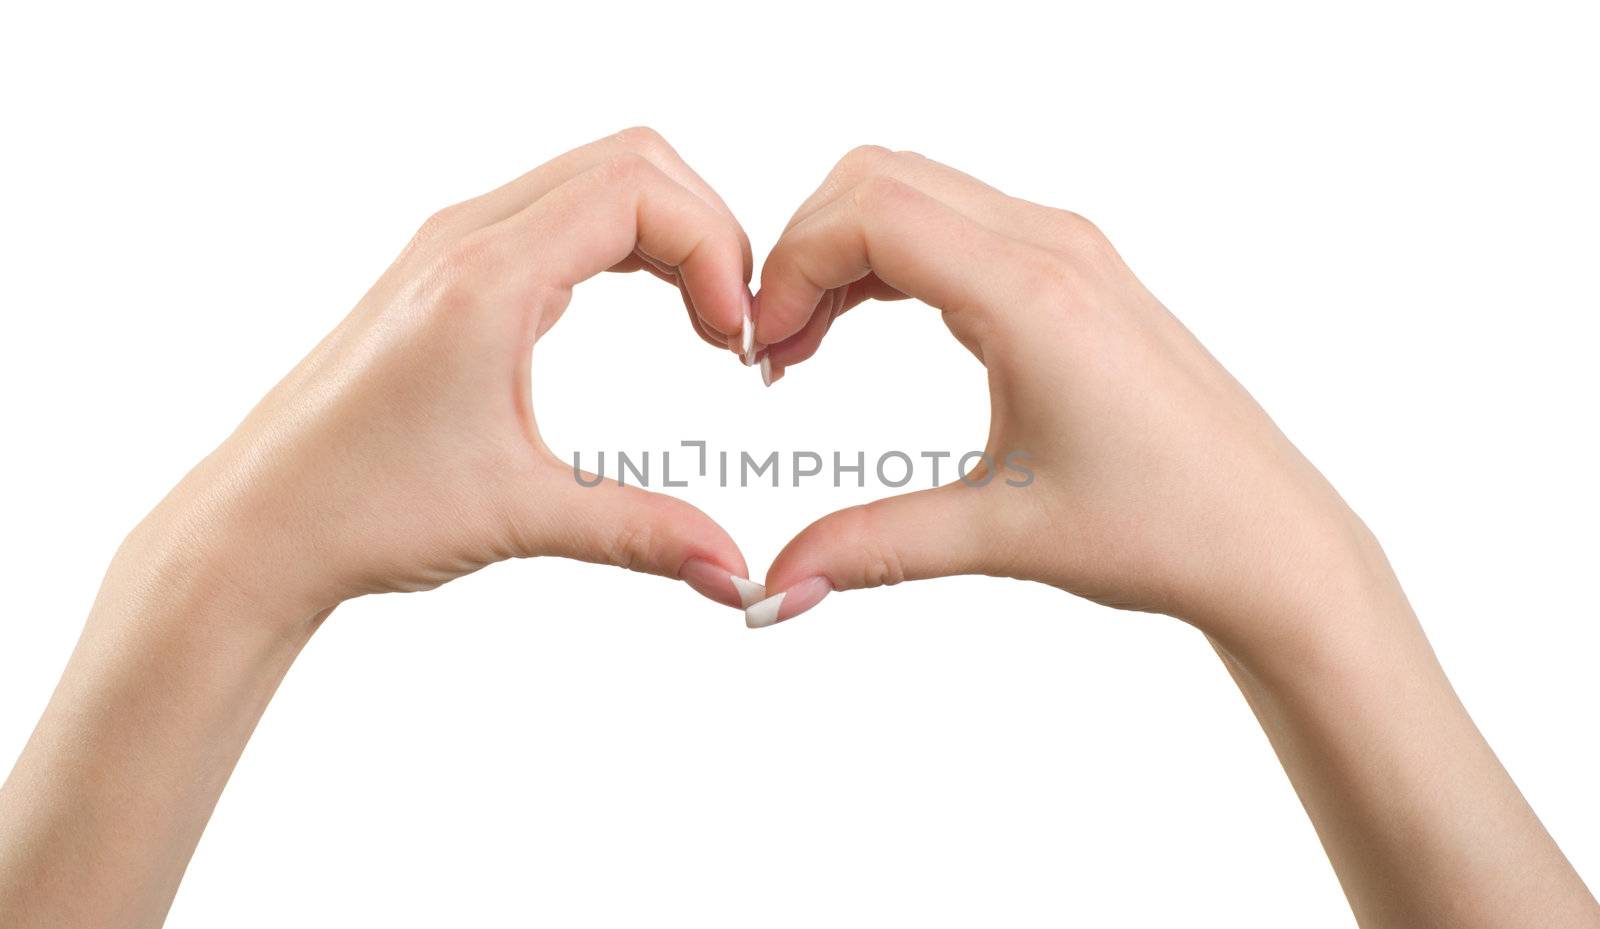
1073	234
440	224
630	546
1074	226
645	141
864	159
1066	220
467	256
1046	275
627	168
459	273
881	562
861	162
880	192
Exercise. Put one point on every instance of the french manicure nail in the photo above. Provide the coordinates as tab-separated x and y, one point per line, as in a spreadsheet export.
715	583
788	604
747	336
749	591
764	613
768	376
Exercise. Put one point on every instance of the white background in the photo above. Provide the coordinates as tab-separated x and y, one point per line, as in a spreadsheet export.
1383	221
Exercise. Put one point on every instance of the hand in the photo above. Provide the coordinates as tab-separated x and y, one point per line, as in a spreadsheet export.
401	453
1156	483
404	451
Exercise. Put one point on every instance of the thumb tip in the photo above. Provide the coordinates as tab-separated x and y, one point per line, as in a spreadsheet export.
787	604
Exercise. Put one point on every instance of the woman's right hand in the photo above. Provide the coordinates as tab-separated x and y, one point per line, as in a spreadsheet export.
404	450
1157	482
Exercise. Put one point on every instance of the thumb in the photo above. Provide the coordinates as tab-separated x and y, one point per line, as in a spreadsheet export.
931	533
652	533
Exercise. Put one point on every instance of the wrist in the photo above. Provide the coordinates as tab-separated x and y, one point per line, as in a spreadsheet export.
176	569
1337	607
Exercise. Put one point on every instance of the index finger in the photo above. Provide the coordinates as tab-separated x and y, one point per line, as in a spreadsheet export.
914	243
602	216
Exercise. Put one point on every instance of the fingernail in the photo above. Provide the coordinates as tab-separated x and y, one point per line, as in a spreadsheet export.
715	583
747	336
768	375
749	591
789	604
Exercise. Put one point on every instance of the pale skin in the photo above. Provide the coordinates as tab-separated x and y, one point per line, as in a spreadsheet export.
404	452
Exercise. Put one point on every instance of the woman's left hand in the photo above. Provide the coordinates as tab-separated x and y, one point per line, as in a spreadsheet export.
404	451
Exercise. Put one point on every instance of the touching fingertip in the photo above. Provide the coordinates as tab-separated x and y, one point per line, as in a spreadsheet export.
764	613
787	604
747	335
770	373
750	592
747	328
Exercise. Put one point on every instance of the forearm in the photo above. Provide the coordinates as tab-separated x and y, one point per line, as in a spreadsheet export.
1421	822
176	663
